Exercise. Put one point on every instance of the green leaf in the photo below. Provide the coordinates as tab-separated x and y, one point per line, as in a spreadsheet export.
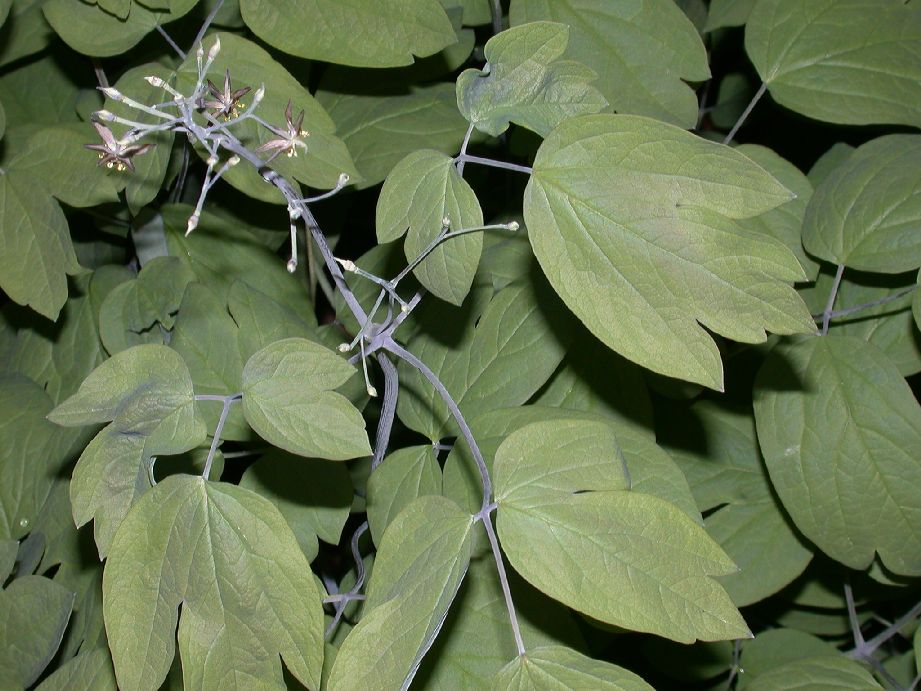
641	270
8	550
381	129
246	591
851	62
90	30
313	496
829	161
25	105
421	562
639	72
525	82
32	454
784	223
404	475
206	338
816	674
367	33
32	31
500	362
249	65
262	320
36	252
734	94
724	13
88	671
563	668
287	398
916	303
776	647
835	422
419	193
34	612
648	567
865	213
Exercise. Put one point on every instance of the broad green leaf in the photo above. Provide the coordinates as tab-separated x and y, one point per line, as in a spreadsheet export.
56	156
852	62
262	320
2	121
90	30
646	271
313	496
404	475
865	213
221	251
287	399
776	647
8	550
916	303
4	10
121	8
648	567
557	667
32	31
421	192
639	71
53	105
247	593
784	223
724	13
114	332
816	674
88	671
206	338
525	82
836	423
733	96
32	454
835	156
727	475
249	65
370	33
36	252
34	611
420	565
477	641
502	361
381	129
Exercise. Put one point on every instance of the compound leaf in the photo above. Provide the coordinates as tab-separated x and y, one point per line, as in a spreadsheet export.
287	399
247	593
836	422
854	62
632	222
525	82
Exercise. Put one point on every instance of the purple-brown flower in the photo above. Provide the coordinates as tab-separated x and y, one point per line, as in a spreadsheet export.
291	138
226	102
113	153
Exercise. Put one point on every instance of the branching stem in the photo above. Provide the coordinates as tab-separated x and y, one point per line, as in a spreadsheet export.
833	293
492	163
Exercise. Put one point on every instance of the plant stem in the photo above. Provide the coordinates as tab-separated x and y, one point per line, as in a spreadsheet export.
492	163
463	150
388	409
207	23
503	579
169	39
826	315
867	305
359	581
495	8
745	113
225	411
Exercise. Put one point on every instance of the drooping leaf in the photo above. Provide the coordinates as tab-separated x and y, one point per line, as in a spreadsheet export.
88	671
404	475
34	611
36	252
370	33
559	667
836	423
525	82
420	565
852	62
648	567
313	496
646	271
865	213
90	30
288	400
246	591
638	71
381	129
421	192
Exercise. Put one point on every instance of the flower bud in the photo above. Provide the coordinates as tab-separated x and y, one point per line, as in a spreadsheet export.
192	224
292	265
215	49
111	92
154	81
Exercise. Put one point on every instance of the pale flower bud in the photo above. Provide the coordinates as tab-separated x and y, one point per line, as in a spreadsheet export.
111	92
154	81
215	49
104	115
512	226
291	266
192	224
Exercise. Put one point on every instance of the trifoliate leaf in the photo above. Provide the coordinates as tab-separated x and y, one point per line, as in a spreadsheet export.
638	71
558	667
421	192
366	33
836	421
288	400
420	565
525	82
247	593
647	567
865	214
632	222
853	62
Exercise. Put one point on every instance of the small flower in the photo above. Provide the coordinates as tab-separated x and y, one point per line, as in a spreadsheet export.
227	102
291	138
113	153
